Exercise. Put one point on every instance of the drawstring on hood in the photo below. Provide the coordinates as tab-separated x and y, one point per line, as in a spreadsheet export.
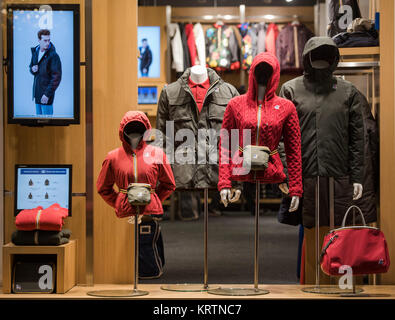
272	84
132	116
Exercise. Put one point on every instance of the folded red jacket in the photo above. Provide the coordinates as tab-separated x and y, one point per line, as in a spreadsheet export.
50	219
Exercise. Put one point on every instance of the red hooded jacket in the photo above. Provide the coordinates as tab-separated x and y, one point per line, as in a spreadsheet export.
278	119
152	167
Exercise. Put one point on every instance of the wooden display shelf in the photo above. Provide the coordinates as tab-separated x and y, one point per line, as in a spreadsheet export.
357	51
65	263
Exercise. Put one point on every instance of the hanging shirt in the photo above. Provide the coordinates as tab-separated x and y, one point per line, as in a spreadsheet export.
199	91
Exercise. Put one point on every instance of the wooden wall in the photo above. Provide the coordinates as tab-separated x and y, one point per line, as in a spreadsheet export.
48	145
154	16
387	134
114	93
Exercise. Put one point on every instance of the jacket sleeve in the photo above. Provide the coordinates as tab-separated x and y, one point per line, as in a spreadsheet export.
56	76
162	115
292	145
31	65
149	58
105	183
356	137
225	168
166	180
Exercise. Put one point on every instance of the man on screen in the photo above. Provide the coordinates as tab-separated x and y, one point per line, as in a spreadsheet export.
145	58
46	67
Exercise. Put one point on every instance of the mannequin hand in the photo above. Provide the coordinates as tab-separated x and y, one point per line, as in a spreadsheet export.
294	204
357	191
133	218
284	188
229	196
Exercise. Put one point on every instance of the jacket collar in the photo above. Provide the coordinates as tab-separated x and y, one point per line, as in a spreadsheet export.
215	80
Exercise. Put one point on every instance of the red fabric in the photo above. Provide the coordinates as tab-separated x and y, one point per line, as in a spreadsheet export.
363	249
279	119
271	37
199	91
152	168
191	43
50	219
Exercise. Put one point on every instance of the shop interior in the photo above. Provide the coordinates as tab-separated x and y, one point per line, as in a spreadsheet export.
203	243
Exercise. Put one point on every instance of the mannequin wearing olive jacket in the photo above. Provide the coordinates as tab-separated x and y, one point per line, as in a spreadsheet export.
177	103
330	112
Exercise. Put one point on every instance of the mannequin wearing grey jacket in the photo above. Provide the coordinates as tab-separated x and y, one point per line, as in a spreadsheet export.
330	112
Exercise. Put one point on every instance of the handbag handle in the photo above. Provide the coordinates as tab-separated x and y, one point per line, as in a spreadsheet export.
345	216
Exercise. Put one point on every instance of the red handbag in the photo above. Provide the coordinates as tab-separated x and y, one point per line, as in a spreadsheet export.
363	248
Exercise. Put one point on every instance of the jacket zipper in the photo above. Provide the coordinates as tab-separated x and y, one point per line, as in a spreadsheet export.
204	100
259	116
135	180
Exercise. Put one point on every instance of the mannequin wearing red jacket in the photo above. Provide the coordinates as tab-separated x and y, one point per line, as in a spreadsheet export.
278	118
118	167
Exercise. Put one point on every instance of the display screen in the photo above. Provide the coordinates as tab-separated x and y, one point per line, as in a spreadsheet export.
42	186
43	64
147	95
149	52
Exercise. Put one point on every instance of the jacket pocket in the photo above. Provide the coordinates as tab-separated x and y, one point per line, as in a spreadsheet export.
183	122
275	169
122	206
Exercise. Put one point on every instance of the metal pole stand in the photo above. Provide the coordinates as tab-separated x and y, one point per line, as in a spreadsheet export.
126	293
187	287
248	291
333	288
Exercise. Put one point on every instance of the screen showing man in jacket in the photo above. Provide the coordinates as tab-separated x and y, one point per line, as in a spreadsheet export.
46	68
145	58
43	71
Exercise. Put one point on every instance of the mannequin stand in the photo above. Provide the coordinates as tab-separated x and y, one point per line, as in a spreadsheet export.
248	291
126	293
186	287
333	288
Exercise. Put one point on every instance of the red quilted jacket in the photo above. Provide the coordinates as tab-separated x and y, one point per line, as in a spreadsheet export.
278	119
152	167
49	219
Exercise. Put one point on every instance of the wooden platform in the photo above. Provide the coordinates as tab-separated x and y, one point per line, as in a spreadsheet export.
277	292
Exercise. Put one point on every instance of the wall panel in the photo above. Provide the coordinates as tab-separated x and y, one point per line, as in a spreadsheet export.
114	93
48	145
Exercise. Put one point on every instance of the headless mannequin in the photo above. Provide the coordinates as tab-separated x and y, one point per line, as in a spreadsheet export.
320	59
198	74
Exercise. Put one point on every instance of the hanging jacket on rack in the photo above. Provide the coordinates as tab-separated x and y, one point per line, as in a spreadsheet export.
176	47
289	47
268	122
271	38
221	48
249	44
120	165
191	43
261	34
341	13
200	44
177	103
184	40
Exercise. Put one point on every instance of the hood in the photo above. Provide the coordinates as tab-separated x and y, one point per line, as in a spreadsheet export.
315	43
129	117
273	82
50	48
